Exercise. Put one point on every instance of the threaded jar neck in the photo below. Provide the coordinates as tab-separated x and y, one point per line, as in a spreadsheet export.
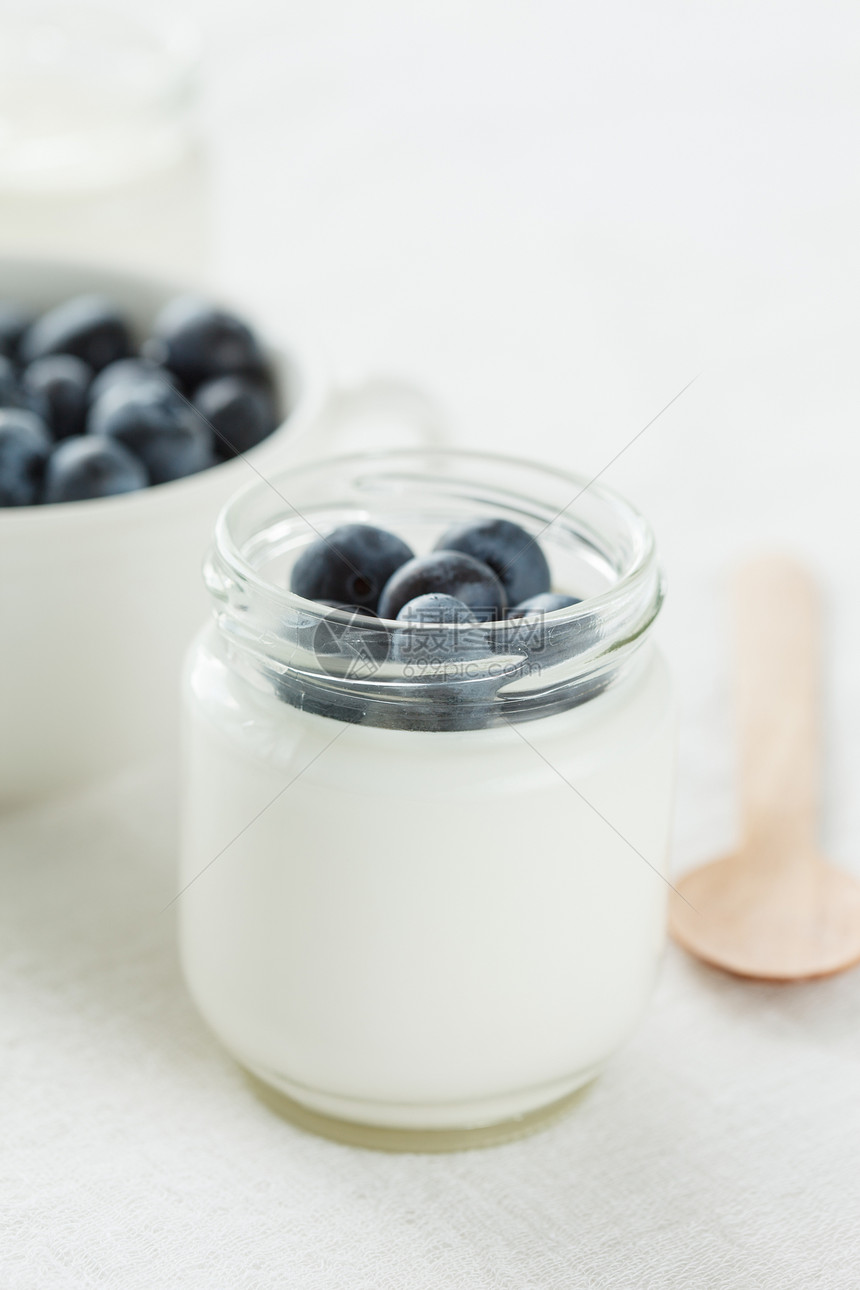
349	667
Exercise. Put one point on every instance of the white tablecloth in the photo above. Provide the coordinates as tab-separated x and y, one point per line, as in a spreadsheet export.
555	218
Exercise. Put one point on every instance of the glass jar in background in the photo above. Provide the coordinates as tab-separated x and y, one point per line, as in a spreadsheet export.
100	154
421	907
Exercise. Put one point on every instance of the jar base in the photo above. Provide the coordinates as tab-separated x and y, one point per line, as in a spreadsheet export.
485	1130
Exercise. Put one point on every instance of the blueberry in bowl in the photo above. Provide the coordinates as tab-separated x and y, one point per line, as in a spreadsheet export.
14	321
13	394
9	388
199	341
61	384
24	448
155	423
99	563
239	410
129	371
90	327
198	392
91	466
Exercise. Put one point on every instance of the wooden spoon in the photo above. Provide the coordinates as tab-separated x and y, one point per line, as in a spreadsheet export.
776	910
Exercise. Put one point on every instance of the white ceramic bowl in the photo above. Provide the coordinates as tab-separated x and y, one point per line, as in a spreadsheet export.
99	599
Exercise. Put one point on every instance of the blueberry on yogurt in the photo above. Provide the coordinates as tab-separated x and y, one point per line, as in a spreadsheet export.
529	631
158	426
89	466
89	327
514	556
459	638
544	603
24	447
452	573
436	607
351	565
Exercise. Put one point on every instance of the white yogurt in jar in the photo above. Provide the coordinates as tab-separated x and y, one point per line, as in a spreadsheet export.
423	930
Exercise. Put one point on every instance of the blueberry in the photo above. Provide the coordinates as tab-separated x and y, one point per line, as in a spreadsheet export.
24	447
157	425
351	565
438	640
514	556
9	392
436	607
199	342
13	395
545	642
13	323
89	466
89	327
544	603
128	371
240	412
62	382
452	572
457	638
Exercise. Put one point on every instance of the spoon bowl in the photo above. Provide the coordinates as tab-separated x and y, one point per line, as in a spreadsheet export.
775	910
768	920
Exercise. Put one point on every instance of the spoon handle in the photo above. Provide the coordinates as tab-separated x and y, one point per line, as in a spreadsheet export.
777	666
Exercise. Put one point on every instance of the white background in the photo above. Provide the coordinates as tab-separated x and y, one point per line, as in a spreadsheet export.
554	216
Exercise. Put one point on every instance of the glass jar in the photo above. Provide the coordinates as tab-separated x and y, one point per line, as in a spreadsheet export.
100	159
423	905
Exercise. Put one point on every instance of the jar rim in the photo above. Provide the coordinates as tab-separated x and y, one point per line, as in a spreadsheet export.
341	663
641	565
